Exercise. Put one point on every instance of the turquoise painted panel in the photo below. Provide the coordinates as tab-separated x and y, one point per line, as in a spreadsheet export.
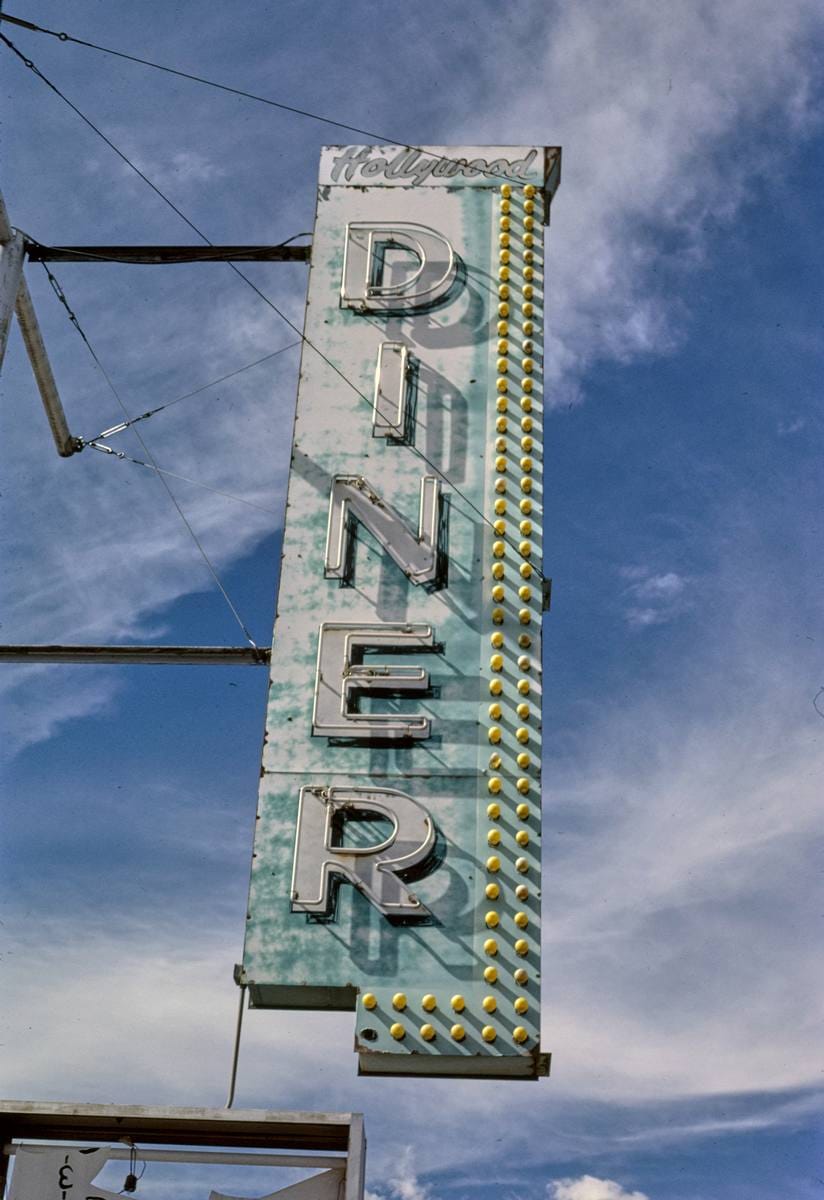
477	426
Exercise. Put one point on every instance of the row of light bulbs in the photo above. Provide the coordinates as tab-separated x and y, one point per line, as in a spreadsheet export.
513	226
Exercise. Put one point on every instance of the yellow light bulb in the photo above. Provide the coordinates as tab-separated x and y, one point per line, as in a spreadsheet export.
496	639
528	363
398	1032
525	528
522	785
504	223
504	206
499	527
501	385
369	1000
399	1001
490	947
427	1032
522	947
491	974
519	1034
526	403
526	573
492	919
522	812
499	549
458	1003
503	291
502	366
520	975
503	344
529	273
523	760
527	385
503	241
498	616
529	256
525	548
526	483
522	837
500	463
493	837
458	1032
488	1033
489	1004
496	662
524	616
500	424
494	785
500	443
522	734
528	291
525	505
528	308
529	190
503	328
506	190
492	891
493	811
529	206
527	423
498	591
521	920
521	1005
527	463
494	711
523	711
523	687
494	734
503	256
500	509
495	688
525	591
502	404
527	443
503	309
528	328
493	863
522	865
529	240
429	1003
503	273
529	222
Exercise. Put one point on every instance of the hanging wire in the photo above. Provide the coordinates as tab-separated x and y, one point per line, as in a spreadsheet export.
107	433
223	87
119	454
266	299
61	296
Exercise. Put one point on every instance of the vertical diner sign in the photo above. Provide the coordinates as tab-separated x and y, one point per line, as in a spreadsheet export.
396	866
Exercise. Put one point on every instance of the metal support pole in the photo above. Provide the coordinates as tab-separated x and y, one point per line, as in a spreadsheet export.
199	656
39	359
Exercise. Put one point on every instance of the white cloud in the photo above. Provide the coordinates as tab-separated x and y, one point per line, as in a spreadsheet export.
654	598
404	1184
588	1187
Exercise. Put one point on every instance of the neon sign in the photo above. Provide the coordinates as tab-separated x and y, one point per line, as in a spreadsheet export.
396	864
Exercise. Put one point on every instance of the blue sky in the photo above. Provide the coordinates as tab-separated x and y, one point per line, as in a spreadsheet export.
683	748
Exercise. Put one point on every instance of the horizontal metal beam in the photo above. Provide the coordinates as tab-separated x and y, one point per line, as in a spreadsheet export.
196	656
211	1127
254	1158
154	255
